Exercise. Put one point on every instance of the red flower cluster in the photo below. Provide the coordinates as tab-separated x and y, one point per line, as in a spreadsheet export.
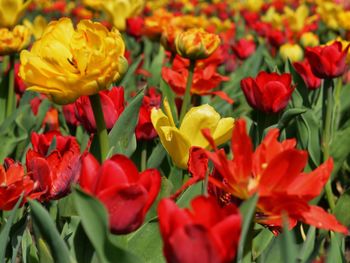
144	129
205	77
275	172
81	111
126	193
207	233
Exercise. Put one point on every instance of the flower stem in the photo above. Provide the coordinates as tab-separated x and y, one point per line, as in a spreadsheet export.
144	156
10	104
100	126
187	97
327	109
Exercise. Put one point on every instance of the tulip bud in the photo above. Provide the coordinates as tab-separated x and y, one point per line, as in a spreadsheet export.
293	52
309	39
196	44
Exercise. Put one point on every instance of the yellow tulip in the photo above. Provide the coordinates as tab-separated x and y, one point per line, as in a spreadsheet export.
298	18
292	51
11	11
309	39
37	27
13	41
178	142
117	10
66	63
196	43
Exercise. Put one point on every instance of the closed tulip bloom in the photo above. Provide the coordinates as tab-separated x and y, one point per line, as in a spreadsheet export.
268	92
11	11
327	61
244	48
196	43
178	141
293	52
55	169
112	102
206	233
304	70
65	63
13	41
126	193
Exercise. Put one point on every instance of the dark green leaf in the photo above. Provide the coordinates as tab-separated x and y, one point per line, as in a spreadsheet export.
342	209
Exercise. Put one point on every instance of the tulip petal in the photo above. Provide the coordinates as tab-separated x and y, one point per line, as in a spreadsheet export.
223	130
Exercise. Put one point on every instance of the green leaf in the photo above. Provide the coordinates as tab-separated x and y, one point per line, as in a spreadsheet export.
5	231
147	243
130	73
48	231
289	248
83	248
342	209
288	116
261	242
156	68
335	253
95	223
340	148
247	210
44	252
121	135
157	156
308	245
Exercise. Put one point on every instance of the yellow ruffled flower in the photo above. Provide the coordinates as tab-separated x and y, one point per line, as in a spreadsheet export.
178	141
13	41
196	43
309	39
117	10
344	20
292	51
37	27
11	11
66	63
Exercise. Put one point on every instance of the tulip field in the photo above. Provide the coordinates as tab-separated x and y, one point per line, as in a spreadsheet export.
174	131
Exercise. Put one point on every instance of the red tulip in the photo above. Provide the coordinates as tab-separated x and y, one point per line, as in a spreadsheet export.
69	112
13	183
205	76
276	38
135	26
304	70
327	61
207	233
268	92
244	48
275	172
56	170
126	193
112	105
144	129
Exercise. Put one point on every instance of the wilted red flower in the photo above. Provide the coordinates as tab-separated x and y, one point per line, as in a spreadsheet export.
205	77
13	183
268	92
304	70
244	48
112	106
135	26
275	172
327	61
207	233
53	168
144	129
126	193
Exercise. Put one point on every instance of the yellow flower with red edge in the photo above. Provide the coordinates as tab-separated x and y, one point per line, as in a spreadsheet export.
196	43
178	141
13	41
66	63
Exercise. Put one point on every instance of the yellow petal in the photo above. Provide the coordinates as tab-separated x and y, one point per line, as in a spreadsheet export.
223	131
176	144
168	112
195	120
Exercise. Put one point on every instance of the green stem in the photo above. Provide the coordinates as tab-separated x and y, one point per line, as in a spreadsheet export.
187	97
100	126
327	109
11	97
